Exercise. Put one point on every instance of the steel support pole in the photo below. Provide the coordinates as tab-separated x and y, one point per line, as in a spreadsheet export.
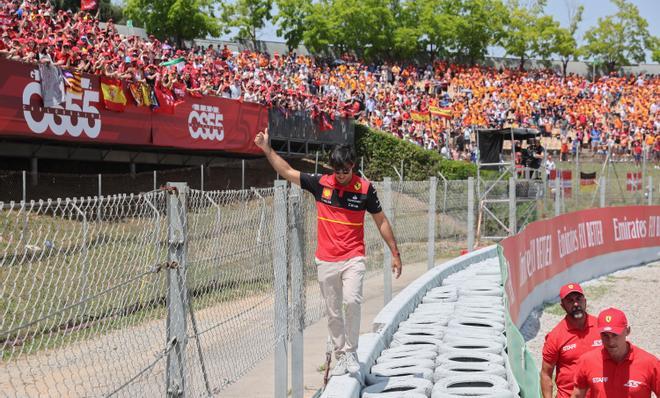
430	246
177	296
558	194
281	289
513	221
297	292
470	214
603	189
387	255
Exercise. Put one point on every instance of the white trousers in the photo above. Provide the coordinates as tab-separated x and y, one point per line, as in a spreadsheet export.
341	283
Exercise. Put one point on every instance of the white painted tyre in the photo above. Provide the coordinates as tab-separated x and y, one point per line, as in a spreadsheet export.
408	388
481	345
410	348
403	363
477	324
466	356
456	369
418	354
383	374
472	385
403	339
462	333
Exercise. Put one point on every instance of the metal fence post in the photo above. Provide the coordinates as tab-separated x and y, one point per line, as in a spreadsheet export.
99	201
280	289
557	195
201	177
177	296
242	174
470	214
650	191
155	183
24	187
430	247
603	188
387	255
513	221
297	292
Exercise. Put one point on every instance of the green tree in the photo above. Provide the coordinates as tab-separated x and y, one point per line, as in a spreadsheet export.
619	39
248	16
176	19
528	32
565	41
481	25
319	35
655	51
290	20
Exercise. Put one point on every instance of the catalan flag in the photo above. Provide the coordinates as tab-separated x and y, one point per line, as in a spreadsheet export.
114	98
72	82
442	112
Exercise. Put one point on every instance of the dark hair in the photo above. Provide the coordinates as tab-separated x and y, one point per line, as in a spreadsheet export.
342	155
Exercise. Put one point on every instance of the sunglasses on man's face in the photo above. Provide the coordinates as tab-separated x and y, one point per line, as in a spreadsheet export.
344	170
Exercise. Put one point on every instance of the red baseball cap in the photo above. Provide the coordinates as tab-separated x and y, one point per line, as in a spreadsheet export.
570	288
612	320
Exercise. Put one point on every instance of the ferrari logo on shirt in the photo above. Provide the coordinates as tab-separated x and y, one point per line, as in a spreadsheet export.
357	186
327	193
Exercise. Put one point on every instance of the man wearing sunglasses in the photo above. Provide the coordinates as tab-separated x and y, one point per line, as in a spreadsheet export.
341	201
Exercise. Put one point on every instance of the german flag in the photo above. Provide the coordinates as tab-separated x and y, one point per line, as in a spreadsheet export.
72	82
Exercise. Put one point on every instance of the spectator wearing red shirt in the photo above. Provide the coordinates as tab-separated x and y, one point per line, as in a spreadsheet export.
564	345
619	369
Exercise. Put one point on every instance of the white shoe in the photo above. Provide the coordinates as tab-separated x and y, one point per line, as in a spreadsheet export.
352	364
340	366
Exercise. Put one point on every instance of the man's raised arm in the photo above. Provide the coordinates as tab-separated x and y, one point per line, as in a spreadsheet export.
280	165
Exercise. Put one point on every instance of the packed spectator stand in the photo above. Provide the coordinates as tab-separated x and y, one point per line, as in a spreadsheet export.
429	105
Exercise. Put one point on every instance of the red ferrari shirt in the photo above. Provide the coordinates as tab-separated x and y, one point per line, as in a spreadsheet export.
564	346
636	376
340	214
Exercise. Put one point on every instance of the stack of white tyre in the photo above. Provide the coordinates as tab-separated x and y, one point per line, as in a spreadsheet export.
452	345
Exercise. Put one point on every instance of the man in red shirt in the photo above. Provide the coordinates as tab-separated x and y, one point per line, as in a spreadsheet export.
341	201
573	336
619	369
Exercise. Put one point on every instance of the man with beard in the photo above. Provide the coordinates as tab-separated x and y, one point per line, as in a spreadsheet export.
576	334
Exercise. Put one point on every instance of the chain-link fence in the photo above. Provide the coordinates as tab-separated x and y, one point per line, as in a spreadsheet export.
179	289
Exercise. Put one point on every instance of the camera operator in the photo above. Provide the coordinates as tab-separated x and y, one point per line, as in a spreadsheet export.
533	156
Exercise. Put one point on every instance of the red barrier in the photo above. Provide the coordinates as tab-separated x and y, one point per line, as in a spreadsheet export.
546	248
81	118
209	123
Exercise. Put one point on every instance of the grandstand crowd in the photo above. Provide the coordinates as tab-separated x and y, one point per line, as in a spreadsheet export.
617	113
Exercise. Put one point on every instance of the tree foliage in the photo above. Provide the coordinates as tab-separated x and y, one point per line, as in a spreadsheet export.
176	19
290	20
619	39
529	32
248	16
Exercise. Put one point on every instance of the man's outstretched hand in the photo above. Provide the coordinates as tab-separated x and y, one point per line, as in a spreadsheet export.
261	140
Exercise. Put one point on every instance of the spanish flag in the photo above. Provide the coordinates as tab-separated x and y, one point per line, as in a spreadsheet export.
113	94
442	112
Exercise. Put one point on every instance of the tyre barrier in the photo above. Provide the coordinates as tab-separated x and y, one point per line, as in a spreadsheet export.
408	388
455	369
452	345
472	385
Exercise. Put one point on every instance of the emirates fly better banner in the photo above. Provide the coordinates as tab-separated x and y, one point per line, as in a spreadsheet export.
547	248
